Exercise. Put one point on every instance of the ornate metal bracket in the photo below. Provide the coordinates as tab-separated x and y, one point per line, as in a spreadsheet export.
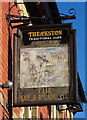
27	20
71	11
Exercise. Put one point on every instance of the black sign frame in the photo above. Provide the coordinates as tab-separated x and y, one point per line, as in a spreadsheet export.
43	95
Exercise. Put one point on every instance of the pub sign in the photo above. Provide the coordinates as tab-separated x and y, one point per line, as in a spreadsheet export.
44	65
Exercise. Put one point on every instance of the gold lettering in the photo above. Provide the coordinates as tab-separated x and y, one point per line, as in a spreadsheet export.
23	98
60	32
28	97
44	90
49	33
52	33
30	33
39	90
35	34
50	97
45	33
34	97
40	97
38	34
49	90
45	96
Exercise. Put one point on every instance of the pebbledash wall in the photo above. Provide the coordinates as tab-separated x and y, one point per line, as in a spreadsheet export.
7	110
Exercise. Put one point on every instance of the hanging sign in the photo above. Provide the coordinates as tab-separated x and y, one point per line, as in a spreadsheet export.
42	65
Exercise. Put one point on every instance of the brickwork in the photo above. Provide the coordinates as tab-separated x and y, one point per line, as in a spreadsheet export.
6	54
3	114
0	40
44	112
6	64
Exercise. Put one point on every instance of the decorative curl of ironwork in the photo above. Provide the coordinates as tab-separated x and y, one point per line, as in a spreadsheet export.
28	20
72	11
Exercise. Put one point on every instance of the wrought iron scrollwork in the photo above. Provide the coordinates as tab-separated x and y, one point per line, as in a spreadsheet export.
72	11
27	20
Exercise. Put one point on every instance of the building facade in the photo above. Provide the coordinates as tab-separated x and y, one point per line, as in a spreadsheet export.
7	110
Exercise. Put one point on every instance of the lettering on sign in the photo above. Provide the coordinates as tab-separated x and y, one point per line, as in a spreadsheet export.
43	97
43	94
45	33
44	65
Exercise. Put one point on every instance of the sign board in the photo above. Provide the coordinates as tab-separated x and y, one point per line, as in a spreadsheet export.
44	65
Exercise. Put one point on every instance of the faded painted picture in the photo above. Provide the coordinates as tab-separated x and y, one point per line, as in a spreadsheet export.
44	67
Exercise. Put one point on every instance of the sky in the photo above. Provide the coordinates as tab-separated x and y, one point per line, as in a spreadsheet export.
79	25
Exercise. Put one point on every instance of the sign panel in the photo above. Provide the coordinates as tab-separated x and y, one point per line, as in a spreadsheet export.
44	67
42	71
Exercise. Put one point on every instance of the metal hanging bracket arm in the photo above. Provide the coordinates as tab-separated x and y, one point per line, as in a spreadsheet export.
72	13
26	20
